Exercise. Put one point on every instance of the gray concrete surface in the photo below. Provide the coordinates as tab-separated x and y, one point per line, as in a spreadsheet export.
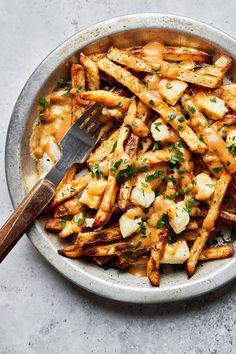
40	311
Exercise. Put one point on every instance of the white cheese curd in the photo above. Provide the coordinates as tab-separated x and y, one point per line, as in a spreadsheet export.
172	90
205	186
92	195
45	164
159	130
178	217
89	222
129	224
212	106
175	253
142	196
231	138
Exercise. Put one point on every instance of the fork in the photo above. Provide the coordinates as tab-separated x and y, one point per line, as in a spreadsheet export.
75	148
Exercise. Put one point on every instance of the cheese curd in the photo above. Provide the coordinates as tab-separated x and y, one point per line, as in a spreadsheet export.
205	187
143	196
159	130
212	106
178	217
93	193
172	90
130	222
175	253
231	138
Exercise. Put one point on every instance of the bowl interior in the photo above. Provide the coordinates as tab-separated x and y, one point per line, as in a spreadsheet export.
81	271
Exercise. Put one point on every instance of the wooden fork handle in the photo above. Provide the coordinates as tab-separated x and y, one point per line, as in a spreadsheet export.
28	210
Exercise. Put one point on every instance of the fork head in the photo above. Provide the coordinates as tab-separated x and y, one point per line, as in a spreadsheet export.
77	142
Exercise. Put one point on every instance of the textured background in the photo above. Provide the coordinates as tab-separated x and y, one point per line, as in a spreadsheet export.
40	311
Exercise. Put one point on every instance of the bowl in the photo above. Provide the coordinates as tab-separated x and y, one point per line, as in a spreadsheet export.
20	168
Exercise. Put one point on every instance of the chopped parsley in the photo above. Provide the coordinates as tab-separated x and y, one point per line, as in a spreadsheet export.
96	171
168	85
155	147
191	109
200	137
157	125
181	119
232	236
142	169
143	230
43	102
151	102
180	127
171	239
175	158
79	221
114	146
63	221
116	165
213	99
171	116
189	204
119	104
162	222
134	123
217	169
78	88
125	174
155	175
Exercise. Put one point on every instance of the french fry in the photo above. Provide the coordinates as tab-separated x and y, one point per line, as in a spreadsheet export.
217	252
219	68
208	223
109	99
153	264
166	69
78	85
216	162
71	252
105	210
54	225
96	237
229	95
185	53
92	73
68	190
153	101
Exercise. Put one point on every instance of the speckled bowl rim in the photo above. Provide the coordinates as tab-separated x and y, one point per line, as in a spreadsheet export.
13	158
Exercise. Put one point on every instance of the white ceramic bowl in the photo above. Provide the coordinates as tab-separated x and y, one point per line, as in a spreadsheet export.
20	169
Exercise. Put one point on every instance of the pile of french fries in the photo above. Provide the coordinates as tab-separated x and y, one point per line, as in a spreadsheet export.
161	181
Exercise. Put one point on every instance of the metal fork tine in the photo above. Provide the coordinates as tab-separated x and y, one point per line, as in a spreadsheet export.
92	119
87	113
96	128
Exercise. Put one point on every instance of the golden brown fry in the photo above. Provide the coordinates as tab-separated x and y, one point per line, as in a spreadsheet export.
92	73
105	210
137	125
103	154
228	120
153	265
199	123
102	260
78	85
54	224
217	252
154	101
126	187
68	190
71	227
229	95
69	176
109	99
166	69
185	53
96	237
227	218
219	68
151	158
208	223
69	207
71	252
